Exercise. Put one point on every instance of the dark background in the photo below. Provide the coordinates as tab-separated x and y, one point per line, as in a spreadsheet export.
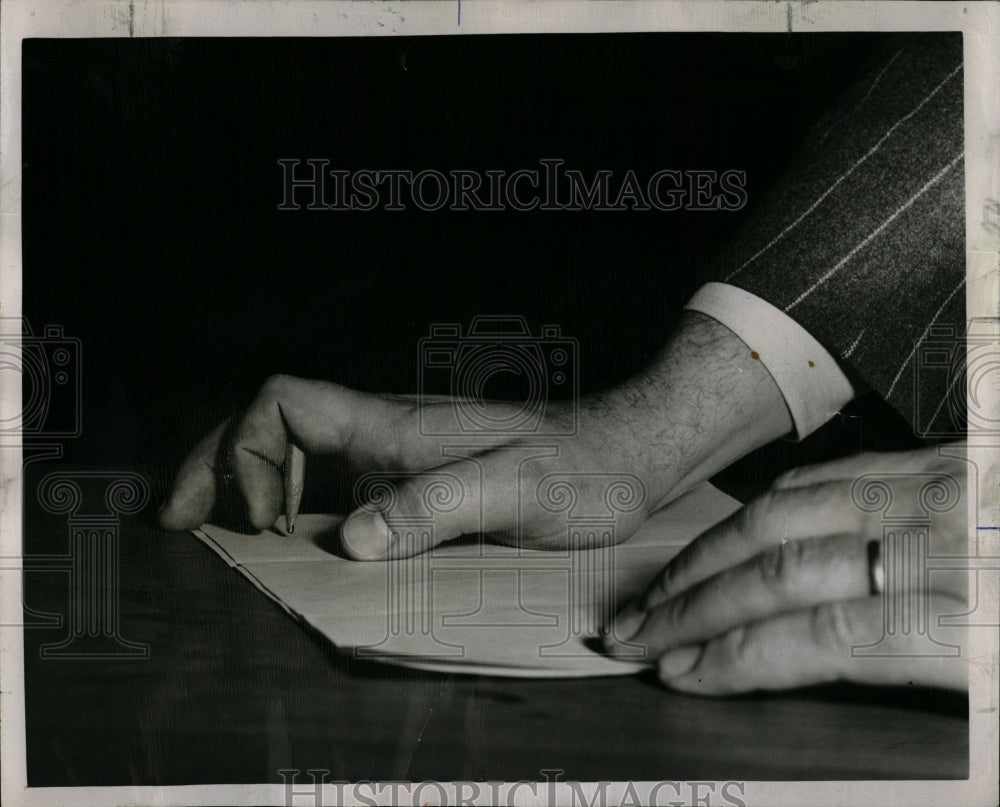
151	229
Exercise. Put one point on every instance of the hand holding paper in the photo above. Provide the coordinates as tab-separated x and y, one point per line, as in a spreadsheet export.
801	586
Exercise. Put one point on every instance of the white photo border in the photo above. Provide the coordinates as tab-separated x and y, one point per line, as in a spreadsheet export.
979	23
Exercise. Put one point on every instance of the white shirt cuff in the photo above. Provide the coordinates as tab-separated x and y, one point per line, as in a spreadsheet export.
811	381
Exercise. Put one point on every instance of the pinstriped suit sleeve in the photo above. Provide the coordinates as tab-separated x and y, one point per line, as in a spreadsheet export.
863	240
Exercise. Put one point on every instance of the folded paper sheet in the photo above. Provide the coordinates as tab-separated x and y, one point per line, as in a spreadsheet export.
469	606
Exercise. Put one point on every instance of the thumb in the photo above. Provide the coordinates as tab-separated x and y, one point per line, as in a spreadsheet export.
406	515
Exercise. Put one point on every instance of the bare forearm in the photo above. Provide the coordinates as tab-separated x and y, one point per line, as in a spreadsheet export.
705	401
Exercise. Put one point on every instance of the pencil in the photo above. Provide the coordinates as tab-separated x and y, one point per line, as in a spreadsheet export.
295	477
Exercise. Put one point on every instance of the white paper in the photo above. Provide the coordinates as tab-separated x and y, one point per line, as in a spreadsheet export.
468	607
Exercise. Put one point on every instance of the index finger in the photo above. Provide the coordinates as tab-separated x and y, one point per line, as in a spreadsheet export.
932	460
775	517
193	494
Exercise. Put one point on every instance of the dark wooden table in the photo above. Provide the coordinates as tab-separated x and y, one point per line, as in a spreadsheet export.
234	691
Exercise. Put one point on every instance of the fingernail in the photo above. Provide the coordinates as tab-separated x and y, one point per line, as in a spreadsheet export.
365	535
625	625
678	662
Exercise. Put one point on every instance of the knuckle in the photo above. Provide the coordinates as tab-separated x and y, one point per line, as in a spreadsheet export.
737	649
778	566
532	472
959	473
409	499
274	386
663	583
675	611
541	499
931	459
757	516
831	625
398	430
735	661
787	479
